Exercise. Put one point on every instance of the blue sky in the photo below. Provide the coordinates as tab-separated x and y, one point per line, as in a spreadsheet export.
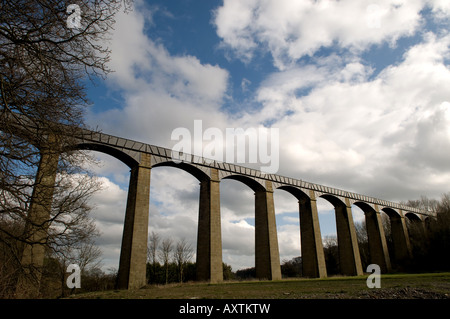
357	88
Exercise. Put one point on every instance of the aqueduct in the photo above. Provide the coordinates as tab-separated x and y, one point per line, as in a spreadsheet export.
141	158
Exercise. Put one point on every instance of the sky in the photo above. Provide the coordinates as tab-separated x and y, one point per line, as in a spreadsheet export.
358	89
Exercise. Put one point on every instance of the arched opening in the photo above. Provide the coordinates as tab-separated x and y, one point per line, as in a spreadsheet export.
267	258
192	170
349	260
238	227
397	237
288	229
111	201
417	235
173	224
362	236
416	227
386	222
327	221
114	152
371	237
109	208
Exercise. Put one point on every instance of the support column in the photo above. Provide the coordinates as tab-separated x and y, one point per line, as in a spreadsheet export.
313	259
267	257
133	254
209	238
400	237
349	258
379	253
36	227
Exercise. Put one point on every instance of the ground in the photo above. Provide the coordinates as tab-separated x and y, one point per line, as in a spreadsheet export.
395	286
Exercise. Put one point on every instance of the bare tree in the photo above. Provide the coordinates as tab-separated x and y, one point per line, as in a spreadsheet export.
330	248
164	253
84	253
361	232
363	243
44	64
329	241
71	224
443	206
152	249
424	203
182	254
9	263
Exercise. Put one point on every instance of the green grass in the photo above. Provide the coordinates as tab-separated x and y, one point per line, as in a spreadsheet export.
430	285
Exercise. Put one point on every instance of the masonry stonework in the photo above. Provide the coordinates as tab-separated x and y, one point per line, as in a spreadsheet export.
140	157
133	255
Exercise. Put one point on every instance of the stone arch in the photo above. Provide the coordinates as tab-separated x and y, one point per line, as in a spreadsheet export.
413	217
296	192
191	169
334	200
392	213
129	160
366	208
255	185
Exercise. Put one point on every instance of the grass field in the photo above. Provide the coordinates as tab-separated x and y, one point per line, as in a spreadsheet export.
393	286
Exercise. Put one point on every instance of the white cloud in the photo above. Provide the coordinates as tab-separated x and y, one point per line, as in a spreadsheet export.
161	91
289	241
355	127
441	8
290	30
109	214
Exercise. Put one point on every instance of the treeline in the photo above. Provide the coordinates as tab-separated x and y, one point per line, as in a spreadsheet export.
169	262
160	274
430	249
289	269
